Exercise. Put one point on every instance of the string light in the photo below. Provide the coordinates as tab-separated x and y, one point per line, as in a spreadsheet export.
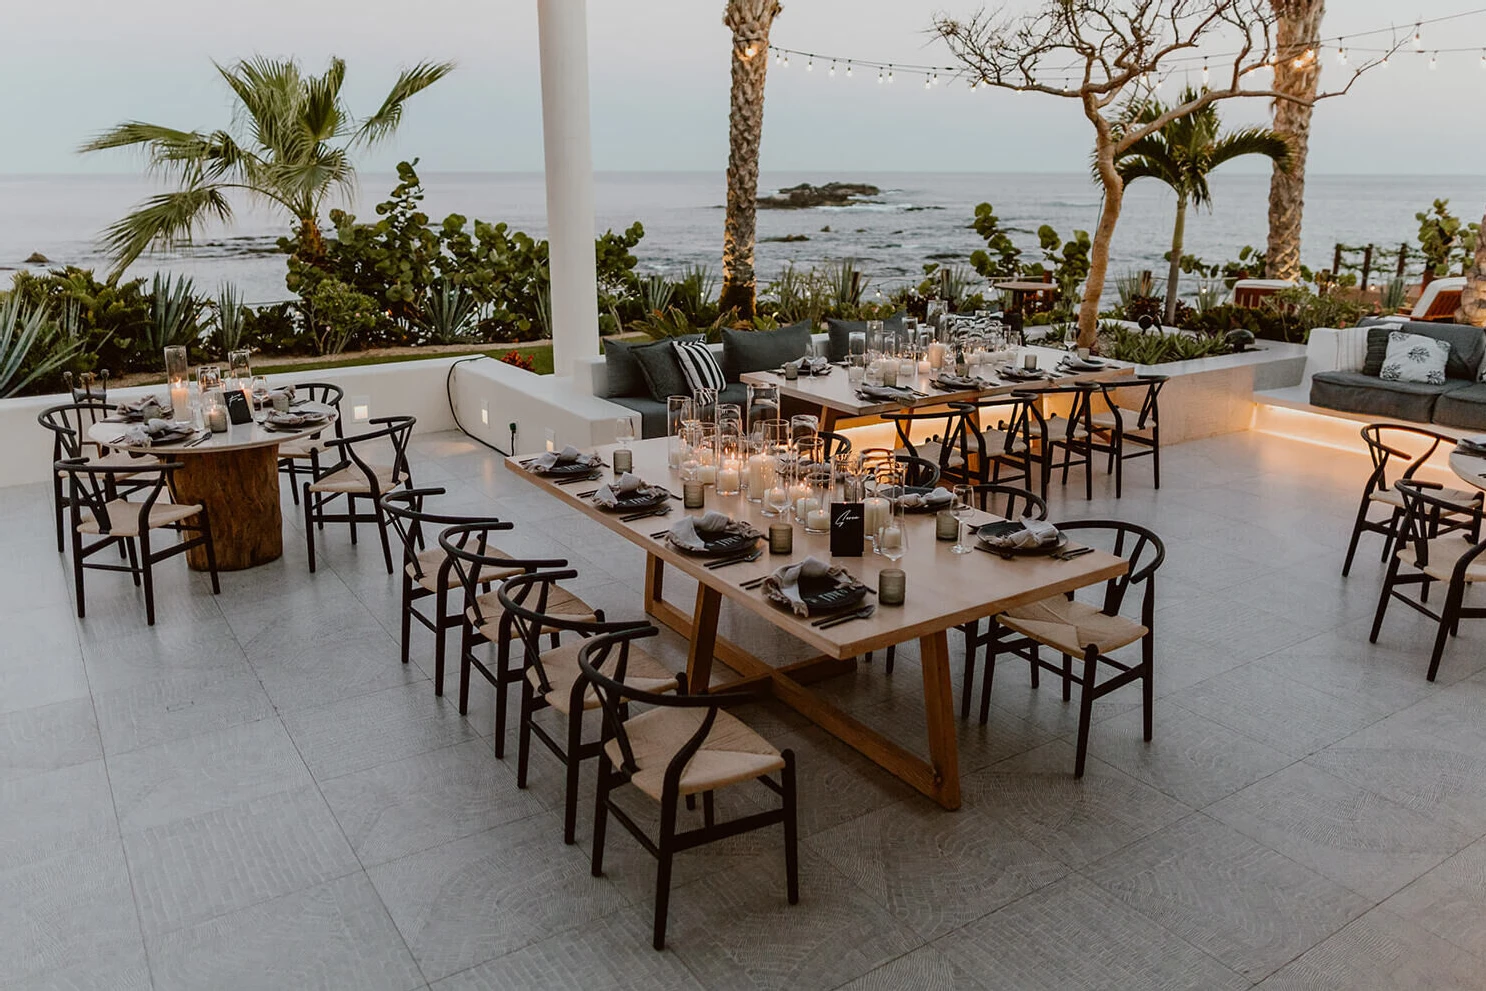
1434	62
1205	73
810	65
848	70
890	75
750	51
880	76
778	58
832	72
1483	58
1341	52
1383	64
936	79
786	60
1418	41
928	83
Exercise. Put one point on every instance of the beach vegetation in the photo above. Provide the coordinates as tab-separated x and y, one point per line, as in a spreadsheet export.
229	319
290	143
33	346
1448	244
1143	347
175	313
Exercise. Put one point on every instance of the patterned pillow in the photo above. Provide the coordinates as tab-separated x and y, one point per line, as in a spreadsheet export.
1415	358
699	366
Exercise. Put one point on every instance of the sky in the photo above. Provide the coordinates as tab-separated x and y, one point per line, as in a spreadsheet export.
659	84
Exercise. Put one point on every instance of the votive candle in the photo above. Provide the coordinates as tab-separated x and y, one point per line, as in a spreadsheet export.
892	586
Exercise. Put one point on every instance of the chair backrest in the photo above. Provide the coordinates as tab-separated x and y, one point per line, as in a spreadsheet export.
1386	441
92	487
833	443
1149	397
603	661
1017	416
1442	307
1142	550
69	424
396	429
524	599
404	508
920	473
950	436
1424	507
325	393
1016	502
466	546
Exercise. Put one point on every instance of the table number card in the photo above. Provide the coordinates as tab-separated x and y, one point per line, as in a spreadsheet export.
847	529
238	410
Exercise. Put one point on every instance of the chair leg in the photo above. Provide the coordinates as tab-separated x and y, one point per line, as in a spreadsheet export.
892	655
709	810
1449	617
1393	522
77	574
382	532
1117	455
601	815
523	734
1356	536
351	517
1148	681
211	552
1156	456
574	765
126	550
1383	596
148	568
1067	677
407	614
967	689
791	829
1085	709
309	524
664	855
57	511
440	637
293	480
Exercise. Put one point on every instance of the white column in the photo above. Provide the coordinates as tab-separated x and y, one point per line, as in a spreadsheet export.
563	31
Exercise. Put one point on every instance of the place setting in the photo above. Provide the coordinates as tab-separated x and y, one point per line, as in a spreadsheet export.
566	466
140	410
292	422
817	590
1082	361
631	495
160	432
716	536
1010	539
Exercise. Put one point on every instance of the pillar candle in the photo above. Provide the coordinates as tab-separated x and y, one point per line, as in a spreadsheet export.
936	354
818	521
874	514
707	474
728	479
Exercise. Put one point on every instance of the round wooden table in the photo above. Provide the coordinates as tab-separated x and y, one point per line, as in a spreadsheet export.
1470	467
235	475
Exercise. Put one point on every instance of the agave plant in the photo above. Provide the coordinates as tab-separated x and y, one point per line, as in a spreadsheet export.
448	313
843	283
656	292
696	288
31	345
230	319
175	312
1395	293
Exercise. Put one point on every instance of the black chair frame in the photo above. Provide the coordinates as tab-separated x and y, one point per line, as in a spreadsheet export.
318	392
950	438
92	487
613	697
1019	418
1146	554
69	425
1423	520
397	429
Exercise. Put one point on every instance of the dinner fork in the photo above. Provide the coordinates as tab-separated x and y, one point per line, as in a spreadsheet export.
658	511
752	555
830	621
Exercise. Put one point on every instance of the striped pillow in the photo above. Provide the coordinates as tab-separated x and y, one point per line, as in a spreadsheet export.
699	366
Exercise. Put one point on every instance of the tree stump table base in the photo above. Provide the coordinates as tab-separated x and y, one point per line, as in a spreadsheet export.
240	490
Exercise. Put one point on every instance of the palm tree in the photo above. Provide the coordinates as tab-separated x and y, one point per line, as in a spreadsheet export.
1473	296
1182	154
294	148
1297	73
749	20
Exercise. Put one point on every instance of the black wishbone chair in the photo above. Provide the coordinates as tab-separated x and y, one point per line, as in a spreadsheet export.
551	679
298	456
69	424
428	571
1081	629
680	746
97	511
354	477
1075	437
1434	555
1385	445
1006	433
485	621
945	448
833	444
1125	432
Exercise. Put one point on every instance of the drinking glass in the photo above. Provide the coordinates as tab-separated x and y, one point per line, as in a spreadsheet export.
624	431
763	405
856	369
856	343
963	508
208	377
239	365
802	430
679	411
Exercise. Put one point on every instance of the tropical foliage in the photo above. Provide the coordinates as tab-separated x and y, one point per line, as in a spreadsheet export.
290	144
32	345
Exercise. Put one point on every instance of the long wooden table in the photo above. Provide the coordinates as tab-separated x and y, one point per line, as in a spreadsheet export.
945	590
837	398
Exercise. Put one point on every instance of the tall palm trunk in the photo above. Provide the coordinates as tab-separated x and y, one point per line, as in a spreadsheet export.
749	21
1296	74
1174	274
1109	217
1473	296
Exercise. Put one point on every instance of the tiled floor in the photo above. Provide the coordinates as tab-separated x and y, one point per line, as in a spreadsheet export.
256	794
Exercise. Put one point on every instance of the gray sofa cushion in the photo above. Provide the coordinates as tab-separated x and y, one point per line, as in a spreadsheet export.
1463	406
1467	346
760	350
1356	392
623	369
653	412
662	369
841	331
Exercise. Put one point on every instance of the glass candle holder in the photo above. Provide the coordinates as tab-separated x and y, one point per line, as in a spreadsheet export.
946	527
177	375
624	461
214	411
817	486
874	335
679	411
239	365
781	538
729	476
763	405
892	586
208	377
775	490
693	493
856	343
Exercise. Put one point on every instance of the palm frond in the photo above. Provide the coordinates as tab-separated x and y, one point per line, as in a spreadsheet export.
411	81
1252	141
164	221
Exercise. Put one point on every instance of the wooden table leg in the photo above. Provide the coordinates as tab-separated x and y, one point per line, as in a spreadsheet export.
655	582
703	639
240	490
939	712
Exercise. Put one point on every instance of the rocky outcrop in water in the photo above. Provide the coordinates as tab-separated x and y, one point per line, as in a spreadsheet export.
37	258
805	196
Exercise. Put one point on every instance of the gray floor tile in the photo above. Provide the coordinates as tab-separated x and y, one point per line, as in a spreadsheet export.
367	730
1380	952
611	952
41	661
932	871
47	738
1241	902
46	815
1349	834
925	969
737	929
334	935
1078	820
159	785
167	650
199	868
1450	900
410	805
833	781
1073	936
336	658
126	969
486	895
172	708
67	916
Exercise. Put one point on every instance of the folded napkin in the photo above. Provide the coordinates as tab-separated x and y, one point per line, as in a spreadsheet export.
610	494
935	499
1034	533
1472	445
786	581
884	393
145	407
815	366
958	382
569	455
687	533
144	434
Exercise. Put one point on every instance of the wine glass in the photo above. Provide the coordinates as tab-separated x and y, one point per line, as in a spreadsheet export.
624	431
962	508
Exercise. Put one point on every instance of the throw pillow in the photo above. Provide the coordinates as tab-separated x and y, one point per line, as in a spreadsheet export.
623	368
841	330
760	350
1415	358
662	370
701	369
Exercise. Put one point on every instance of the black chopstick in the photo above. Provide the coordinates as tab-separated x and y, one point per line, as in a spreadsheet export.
585	495
753	555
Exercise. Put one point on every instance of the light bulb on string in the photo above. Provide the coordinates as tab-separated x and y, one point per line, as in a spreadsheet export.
1418	41
936	79
832	72
1205	73
1483	58
810	65
1383	64
778	58
785	63
890	75
1434	60
879	77
928	83
848	70
1341	52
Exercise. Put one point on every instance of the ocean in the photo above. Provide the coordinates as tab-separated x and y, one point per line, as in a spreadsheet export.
919	217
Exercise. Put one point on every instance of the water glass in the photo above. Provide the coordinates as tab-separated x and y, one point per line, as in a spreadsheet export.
208	377
763	405
963	508
680	410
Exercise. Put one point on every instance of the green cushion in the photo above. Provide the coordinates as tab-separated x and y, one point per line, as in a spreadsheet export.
760	350
662	369
841	331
